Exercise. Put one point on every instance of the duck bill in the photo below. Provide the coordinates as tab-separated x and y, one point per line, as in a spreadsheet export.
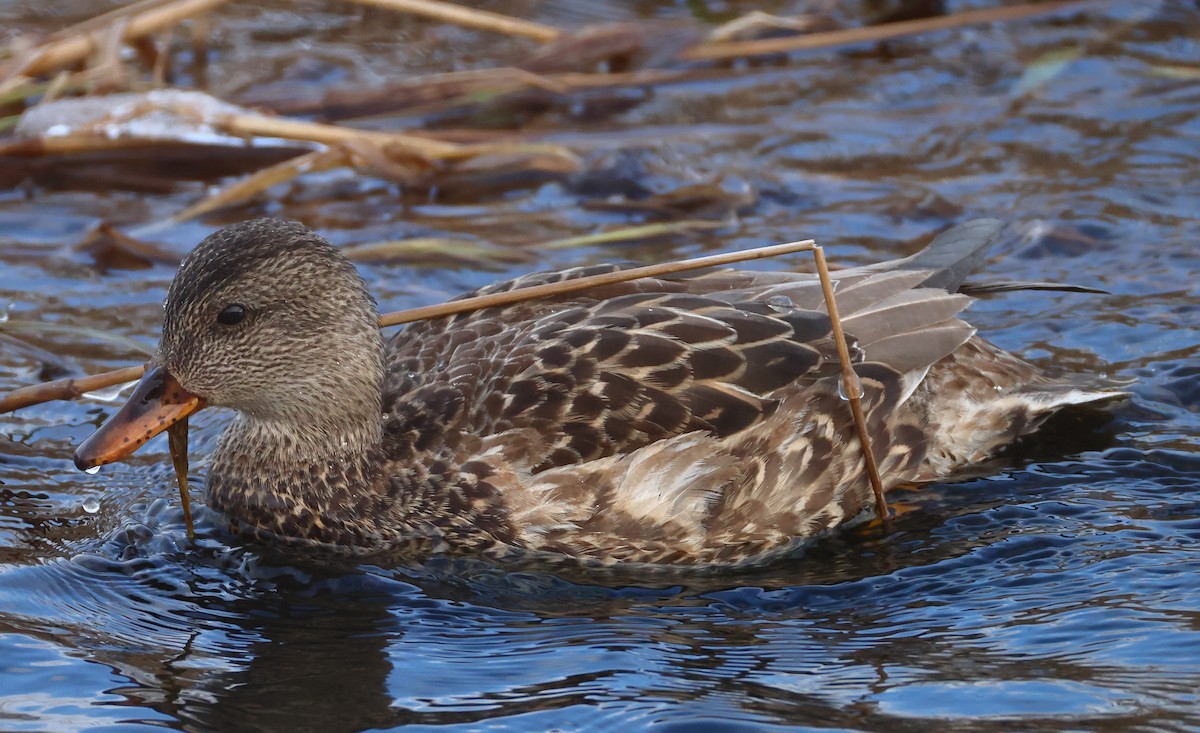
157	403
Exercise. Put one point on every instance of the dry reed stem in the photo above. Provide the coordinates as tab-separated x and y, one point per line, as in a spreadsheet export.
470	18
95	23
419	146
69	144
757	19
495	300
162	61
248	126
261	126
57	86
18	87
633	233
69	50
259	181
851	386
65	389
736	49
347	147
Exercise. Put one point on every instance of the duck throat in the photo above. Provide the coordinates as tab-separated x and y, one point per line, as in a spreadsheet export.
274	482
313	476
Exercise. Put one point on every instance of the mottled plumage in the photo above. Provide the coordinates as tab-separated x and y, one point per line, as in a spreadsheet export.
689	420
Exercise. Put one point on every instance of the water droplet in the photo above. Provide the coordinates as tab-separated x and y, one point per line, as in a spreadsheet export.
91	505
781	303
93	470
855	389
110	394
857	353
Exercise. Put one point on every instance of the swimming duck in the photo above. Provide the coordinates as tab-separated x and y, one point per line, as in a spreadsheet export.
690	420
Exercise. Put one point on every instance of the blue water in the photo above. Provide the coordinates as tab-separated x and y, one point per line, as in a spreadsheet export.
1054	589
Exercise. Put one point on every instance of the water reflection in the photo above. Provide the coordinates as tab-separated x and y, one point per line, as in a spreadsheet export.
868	631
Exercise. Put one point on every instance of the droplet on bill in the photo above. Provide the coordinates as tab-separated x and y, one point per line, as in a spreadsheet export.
110	394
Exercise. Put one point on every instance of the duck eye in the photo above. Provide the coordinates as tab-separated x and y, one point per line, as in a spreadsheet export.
232	315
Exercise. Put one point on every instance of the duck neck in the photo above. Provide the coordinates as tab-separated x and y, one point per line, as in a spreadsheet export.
311	464
323	487
278	447
330	415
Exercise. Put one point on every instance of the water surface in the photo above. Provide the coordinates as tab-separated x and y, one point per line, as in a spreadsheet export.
1055	590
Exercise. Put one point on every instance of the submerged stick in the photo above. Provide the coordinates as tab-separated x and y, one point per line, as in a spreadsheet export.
177	440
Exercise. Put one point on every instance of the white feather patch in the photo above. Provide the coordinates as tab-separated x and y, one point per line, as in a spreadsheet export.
674	480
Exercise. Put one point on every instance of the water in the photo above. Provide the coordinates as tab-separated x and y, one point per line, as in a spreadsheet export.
1055	589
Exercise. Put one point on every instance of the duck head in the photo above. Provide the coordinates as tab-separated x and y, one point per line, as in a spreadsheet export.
267	318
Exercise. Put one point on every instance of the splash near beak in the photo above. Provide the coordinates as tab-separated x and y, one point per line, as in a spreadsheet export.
157	403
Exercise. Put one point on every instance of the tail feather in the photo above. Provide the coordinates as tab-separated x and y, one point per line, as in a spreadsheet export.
952	255
981	398
1009	286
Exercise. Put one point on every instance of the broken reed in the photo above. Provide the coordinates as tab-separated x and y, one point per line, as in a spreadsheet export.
66	389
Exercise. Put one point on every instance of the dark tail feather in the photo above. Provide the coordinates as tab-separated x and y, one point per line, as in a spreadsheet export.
1008	286
949	259
954	253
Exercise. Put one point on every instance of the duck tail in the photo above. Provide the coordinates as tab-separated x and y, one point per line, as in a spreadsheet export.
953	254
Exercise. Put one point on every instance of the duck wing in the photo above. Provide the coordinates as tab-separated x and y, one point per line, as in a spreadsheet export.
598	377
697	418
612	369
603	377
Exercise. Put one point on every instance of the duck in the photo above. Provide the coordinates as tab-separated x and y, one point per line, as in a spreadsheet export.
693	420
